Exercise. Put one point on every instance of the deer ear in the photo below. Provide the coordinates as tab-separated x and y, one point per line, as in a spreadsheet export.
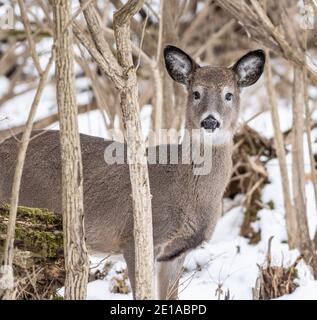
249	68
179	64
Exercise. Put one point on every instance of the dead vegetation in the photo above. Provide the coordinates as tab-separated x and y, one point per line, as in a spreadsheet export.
275	281
251	153
119	283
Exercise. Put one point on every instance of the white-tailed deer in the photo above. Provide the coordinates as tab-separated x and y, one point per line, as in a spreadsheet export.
186	206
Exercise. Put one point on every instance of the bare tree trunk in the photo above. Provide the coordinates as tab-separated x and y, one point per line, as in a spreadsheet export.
290	215
304	242
143	234
169	36
76	257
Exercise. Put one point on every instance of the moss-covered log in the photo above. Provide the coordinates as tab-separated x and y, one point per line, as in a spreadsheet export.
37	230
38	261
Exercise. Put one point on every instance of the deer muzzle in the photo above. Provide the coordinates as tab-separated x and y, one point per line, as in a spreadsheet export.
210	123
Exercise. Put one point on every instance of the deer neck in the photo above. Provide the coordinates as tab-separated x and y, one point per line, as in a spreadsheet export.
201	195
217	172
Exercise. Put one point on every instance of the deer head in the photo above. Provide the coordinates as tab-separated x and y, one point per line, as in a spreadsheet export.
213	92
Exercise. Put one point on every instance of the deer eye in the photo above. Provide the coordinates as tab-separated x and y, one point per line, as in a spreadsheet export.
228	96
196	95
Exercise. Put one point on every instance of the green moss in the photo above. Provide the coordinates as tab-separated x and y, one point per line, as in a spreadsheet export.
44	243
35	215
37	230
38	243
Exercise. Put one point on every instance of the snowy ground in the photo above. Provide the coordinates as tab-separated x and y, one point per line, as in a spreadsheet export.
227	263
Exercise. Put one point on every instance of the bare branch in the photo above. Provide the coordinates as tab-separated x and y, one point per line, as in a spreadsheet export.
29	36
98	57
94	25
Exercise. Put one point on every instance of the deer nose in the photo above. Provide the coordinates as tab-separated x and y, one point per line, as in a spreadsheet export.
210	123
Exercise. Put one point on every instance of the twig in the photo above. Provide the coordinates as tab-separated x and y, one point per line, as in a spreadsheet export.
43	123
222	31
141	41
113	73
290	216
94	26
31	43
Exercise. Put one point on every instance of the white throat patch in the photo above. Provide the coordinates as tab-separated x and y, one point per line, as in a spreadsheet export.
220	137
216	138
